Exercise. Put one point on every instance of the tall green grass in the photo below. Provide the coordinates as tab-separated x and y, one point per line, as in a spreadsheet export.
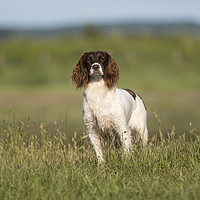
40	166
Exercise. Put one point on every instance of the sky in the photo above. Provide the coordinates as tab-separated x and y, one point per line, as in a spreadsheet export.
52	13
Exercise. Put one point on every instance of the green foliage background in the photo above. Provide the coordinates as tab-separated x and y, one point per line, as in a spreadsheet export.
164	70
144	61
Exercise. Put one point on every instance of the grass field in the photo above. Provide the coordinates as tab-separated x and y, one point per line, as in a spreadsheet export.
41	158
47	167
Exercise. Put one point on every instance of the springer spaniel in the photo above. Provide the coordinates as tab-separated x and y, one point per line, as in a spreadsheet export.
108	110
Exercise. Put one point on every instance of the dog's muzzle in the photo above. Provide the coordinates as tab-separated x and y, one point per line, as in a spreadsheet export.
96	70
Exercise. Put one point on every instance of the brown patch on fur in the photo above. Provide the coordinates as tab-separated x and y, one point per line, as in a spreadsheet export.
131	93
111	75
134	96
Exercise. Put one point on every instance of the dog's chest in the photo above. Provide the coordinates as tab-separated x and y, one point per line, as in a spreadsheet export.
103	106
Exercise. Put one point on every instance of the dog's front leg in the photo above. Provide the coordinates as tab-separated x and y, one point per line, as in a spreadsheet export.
94	136
96	142
93	131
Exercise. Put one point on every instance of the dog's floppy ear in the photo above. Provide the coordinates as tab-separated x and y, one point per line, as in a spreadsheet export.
80	74
111	75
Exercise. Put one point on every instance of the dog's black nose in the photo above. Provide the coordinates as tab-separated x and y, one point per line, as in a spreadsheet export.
95	67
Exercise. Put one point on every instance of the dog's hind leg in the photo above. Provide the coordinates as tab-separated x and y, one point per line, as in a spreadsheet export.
143	136
125	137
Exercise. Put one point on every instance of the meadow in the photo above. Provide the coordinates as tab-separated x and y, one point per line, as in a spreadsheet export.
44	150
55	167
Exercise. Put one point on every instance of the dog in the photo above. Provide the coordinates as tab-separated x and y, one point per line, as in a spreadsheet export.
108	110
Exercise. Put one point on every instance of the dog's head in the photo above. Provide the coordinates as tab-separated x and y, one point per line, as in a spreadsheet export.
95	64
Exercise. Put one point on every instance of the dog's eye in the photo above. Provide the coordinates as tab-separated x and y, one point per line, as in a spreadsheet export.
89	59
101	59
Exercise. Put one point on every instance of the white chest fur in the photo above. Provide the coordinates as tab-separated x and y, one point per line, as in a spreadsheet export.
100	103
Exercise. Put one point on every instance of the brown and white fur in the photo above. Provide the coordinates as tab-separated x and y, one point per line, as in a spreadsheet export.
106	108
